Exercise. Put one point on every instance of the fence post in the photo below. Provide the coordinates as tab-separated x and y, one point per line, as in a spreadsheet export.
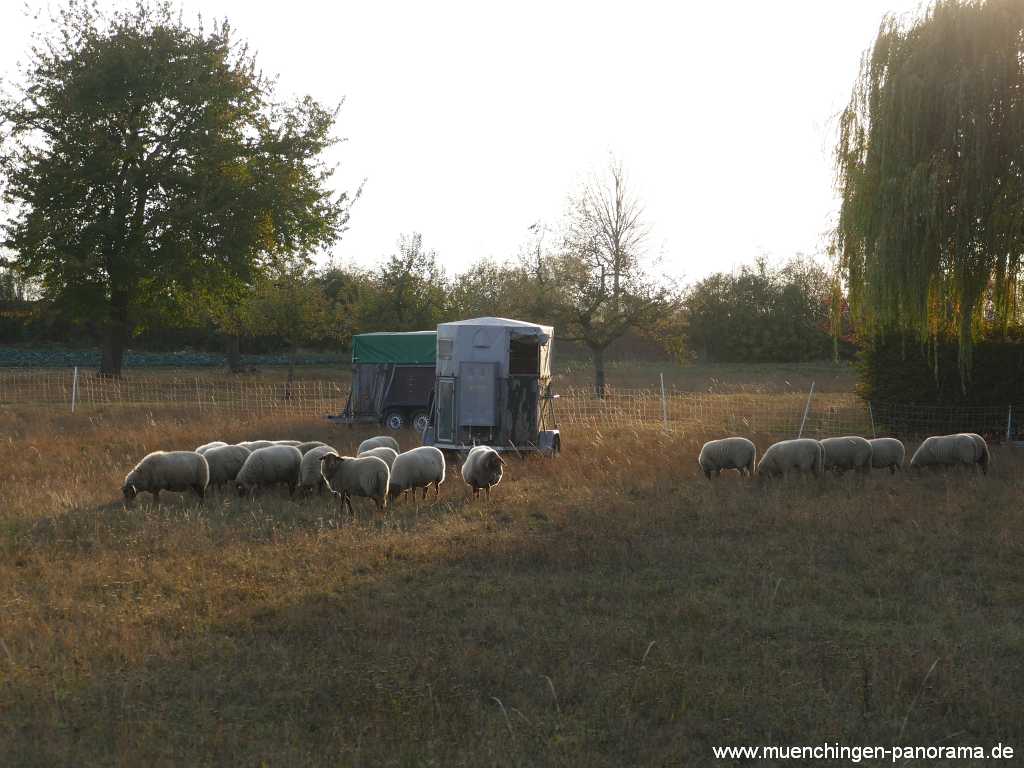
664	403
871	415
806	409
199	398
74	389
1009	420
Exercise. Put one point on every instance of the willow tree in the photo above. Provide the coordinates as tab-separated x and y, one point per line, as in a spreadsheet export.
930	165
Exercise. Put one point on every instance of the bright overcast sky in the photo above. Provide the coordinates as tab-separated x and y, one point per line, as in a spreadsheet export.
470	121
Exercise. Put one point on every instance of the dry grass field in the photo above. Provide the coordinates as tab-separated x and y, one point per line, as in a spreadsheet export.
609	607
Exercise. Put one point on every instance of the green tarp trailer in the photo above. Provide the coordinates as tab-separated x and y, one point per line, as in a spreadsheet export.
392	379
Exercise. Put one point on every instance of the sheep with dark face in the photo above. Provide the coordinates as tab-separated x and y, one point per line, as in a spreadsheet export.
727	453
269	466
482	469
785	456
167	471
349	476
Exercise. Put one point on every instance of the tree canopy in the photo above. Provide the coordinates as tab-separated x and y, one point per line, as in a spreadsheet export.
930	165
148	158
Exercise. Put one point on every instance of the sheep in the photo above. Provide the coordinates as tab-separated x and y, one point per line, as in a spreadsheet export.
349	476
306	447
419	468
225	462
377	442
293	443
727	453
945	450
267	466
255	445
167	471
802	454
982	457
207	446
310	475
388	455
850	452
482	469
887	452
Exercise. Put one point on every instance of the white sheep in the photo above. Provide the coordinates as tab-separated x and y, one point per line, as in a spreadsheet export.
349	476
167	471
378	442
267	466
801	454
292	443
255	445
727	453
887	452
849	452
482	469
982	457
948	450
225	462
310	475
419	468
207	446
306	447
388	455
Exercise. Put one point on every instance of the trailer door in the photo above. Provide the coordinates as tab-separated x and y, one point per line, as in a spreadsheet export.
445	403
477	394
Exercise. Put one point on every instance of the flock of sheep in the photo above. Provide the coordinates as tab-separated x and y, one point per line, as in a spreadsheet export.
840	454
378	471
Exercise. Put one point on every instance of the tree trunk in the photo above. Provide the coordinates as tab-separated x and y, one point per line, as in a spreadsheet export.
598	355
234	353
115	335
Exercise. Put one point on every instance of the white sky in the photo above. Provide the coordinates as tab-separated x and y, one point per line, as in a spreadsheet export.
472	120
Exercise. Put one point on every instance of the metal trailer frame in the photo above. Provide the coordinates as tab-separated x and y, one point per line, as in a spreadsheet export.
493	387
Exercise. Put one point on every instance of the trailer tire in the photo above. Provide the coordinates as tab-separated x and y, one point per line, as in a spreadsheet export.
394	420
420	421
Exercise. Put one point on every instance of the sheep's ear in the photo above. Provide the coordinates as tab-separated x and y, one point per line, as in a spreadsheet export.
498	457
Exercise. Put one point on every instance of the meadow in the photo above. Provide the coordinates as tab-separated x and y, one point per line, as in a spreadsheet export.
608	607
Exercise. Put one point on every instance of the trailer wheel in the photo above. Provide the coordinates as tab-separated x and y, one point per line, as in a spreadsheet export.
420	421
394	420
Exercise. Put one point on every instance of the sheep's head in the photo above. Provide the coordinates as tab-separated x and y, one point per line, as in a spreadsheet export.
329	463
130	492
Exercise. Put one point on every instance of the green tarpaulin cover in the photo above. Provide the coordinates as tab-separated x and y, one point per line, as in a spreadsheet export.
413	348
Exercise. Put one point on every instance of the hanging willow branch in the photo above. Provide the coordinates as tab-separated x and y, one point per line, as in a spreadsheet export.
930	165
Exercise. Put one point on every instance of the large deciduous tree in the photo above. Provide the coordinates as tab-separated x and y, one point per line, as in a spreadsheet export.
148	158
930	164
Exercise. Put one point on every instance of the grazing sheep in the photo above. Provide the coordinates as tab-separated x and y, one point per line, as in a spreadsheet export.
225	462
727	453
349	476
802	454
388	455
305	448
384	441
887	452
419	468
850	452
482	469
950	450
982	457
207	446
167	471
310	475
292	443
267	466
255	445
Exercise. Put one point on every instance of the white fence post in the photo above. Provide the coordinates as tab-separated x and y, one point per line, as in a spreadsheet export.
1009	420
74	389
807	408
871	415
664	403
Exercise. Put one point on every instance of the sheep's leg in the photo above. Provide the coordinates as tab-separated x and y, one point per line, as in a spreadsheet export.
200	491
291	489
348	500
437	489
487	492
156	496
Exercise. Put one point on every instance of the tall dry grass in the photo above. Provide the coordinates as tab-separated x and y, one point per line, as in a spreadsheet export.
608	607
